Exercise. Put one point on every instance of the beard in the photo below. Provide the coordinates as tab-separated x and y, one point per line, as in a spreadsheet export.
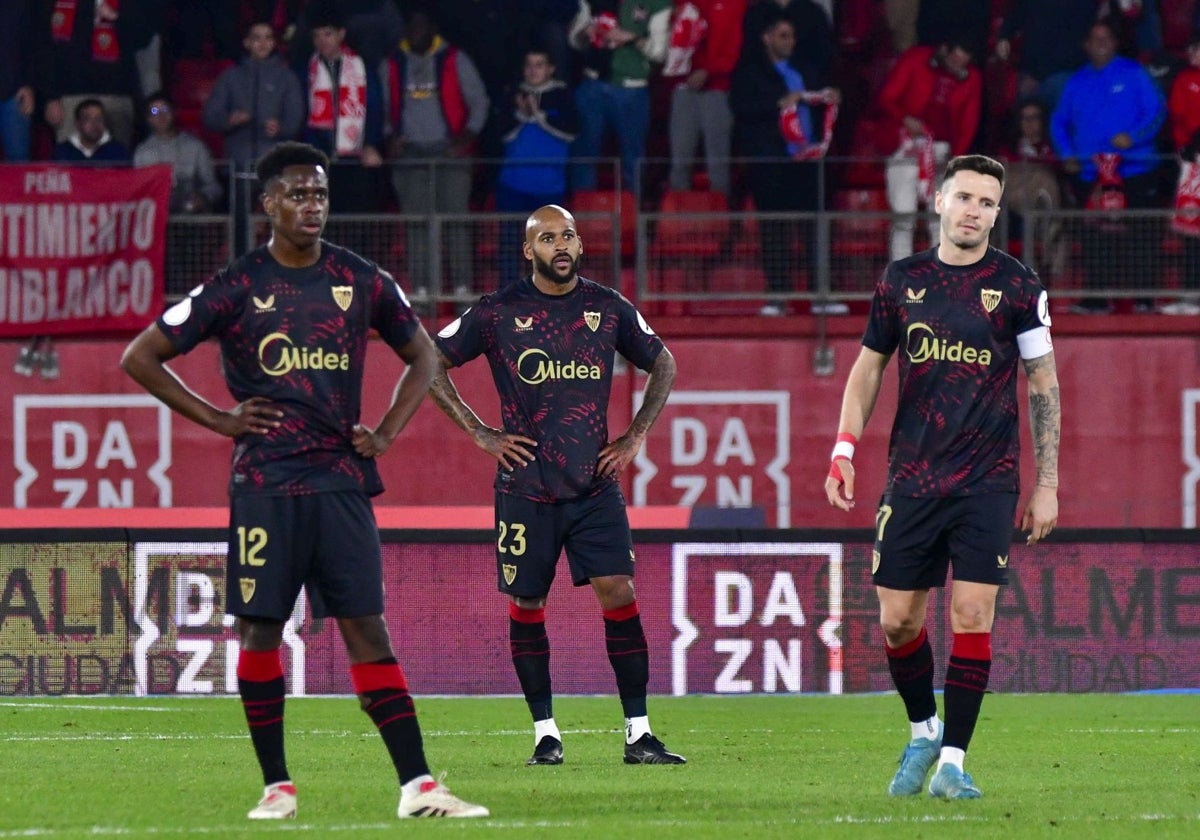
547	270
965	241
968	243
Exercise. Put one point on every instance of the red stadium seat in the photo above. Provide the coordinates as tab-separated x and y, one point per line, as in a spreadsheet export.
681	232
747	238
593	211
860	236
859	243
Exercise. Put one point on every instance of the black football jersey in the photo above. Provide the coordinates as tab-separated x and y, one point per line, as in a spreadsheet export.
954	330
297	336
552	362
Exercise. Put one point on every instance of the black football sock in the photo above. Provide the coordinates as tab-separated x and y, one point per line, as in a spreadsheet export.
530	647
628	653
967	676
911	666
383	692
262	689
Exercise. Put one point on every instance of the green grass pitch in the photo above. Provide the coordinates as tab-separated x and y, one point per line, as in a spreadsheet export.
1089	766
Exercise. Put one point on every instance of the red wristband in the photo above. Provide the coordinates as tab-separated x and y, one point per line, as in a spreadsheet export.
835	472
844	447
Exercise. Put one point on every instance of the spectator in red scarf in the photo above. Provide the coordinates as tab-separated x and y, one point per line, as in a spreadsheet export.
766	84
1183	111
344	117
93	51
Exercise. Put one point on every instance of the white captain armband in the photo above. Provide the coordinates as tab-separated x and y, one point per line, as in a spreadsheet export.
1035	343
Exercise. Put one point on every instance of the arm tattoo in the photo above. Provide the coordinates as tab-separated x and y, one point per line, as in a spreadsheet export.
446	397
1045	419
658	389
1040	364
438	390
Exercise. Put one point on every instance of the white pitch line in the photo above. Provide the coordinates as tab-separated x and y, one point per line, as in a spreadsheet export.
494	823
466	733
1174	730
294	827
91	707
22	737
851	819
462	733
140	736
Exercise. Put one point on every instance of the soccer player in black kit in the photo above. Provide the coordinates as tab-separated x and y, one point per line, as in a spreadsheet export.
550	340
959	317
292	319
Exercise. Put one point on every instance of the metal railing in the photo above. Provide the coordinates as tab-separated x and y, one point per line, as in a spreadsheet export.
732	260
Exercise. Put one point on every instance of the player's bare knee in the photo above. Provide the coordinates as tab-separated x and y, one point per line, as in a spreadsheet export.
529	603
366	638
259	634
614	592
899	630
972	617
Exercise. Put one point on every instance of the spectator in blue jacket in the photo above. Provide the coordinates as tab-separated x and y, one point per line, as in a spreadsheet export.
1110	106
19	70
537	134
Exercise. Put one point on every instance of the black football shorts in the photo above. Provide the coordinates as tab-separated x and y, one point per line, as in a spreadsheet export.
530	536
918	540
325	542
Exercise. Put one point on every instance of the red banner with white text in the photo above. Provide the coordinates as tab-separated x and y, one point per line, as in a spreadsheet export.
81	248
